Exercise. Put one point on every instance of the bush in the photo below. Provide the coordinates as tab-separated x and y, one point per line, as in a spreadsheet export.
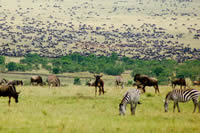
55	70
77	81
12	66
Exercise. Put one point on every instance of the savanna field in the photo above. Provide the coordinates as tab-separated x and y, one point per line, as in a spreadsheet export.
74	108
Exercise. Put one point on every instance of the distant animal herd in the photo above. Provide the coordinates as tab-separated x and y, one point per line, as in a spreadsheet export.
132	96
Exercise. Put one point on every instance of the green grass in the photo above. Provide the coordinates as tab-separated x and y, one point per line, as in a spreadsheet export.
75	109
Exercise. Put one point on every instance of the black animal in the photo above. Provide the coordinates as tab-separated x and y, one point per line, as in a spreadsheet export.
9	91
36	80
99	83
144	80
178	81
15	82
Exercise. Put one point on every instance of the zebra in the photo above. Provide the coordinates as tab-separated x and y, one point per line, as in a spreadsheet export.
182	96
131	97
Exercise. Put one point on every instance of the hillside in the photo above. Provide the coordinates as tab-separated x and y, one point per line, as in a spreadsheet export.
132	28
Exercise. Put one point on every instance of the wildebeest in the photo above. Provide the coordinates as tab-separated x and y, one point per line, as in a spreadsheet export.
178	81
3	81
15	82
196	82
36	80
9	91
99	83
144	80
119	81
53	80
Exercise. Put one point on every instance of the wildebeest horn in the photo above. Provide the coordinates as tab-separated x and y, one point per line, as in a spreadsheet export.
19	92
101	75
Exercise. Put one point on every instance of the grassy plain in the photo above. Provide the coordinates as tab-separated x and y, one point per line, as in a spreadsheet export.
75	109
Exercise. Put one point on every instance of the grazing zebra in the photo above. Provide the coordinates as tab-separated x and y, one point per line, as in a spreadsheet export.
182	96
131	97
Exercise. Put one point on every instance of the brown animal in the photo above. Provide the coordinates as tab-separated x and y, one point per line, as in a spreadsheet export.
9	91
196	82
36	80
3	81
90	83
53	80
119	81
15	82
143	80
99	83
178	81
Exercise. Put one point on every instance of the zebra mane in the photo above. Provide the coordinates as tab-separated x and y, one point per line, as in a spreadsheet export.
167	95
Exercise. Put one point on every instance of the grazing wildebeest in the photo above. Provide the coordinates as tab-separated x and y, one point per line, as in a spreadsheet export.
182	96
119	81
15	82
3	81
36	80
99	83
178	81
144	80
196	82
53	80
9	91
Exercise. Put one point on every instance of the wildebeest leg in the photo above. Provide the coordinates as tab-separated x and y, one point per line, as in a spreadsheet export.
99	90
133	107
143	88
103	90
195	104
95	91
9	100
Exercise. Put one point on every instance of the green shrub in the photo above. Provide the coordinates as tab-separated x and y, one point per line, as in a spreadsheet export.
77	81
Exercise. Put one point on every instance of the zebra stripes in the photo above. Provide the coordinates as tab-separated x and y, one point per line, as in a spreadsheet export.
131	97
182	96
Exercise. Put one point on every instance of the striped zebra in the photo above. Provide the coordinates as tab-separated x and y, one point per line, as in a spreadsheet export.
131	97
182	96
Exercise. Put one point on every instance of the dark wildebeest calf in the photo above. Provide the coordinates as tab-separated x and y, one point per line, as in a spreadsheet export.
9	91
36	80
178	81
15	82
99	83
144	80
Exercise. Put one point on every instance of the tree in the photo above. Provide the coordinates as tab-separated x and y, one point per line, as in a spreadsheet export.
11	66
2	60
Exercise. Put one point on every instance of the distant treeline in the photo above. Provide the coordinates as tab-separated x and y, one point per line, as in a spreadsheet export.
112	65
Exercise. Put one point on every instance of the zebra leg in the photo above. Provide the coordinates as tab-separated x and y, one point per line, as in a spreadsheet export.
178	107
199	106
174	107
195	104
133	107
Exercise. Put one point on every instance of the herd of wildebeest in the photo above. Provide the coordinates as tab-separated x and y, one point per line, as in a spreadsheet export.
7	89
